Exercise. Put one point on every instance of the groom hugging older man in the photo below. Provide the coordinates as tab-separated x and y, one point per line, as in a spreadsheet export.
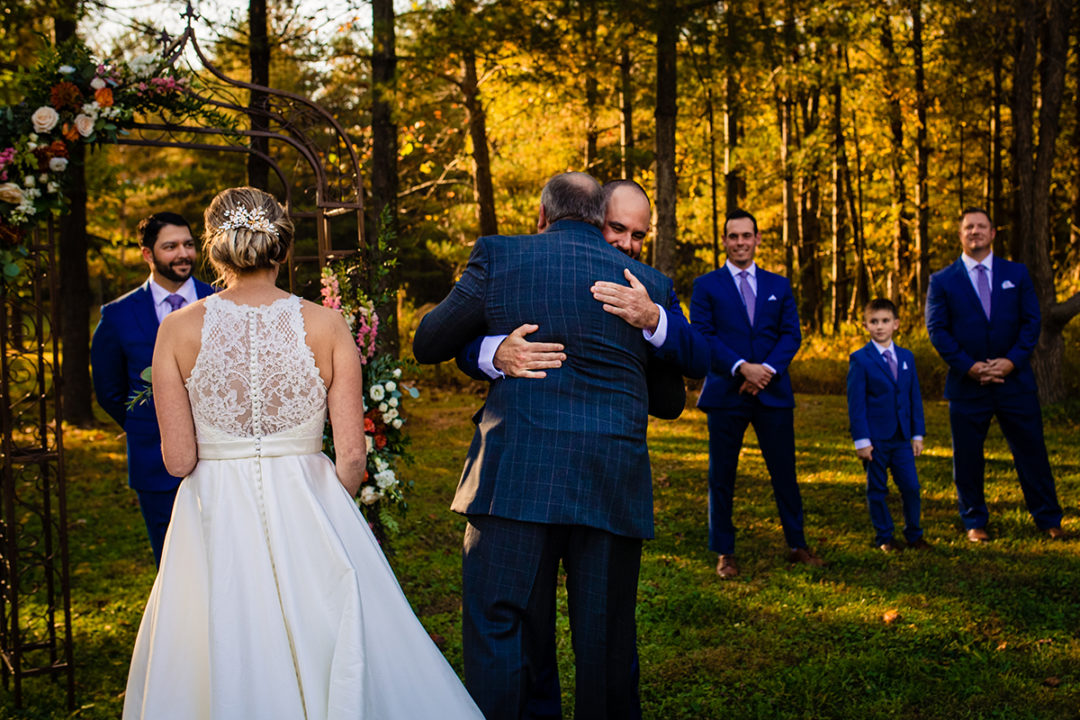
558	469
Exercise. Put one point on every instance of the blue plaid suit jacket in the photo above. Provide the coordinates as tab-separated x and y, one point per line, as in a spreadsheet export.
568	449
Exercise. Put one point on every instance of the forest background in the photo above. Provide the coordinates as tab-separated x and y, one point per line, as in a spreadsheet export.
855	131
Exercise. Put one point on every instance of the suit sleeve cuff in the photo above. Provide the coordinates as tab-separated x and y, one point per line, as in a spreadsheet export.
656	339
771	368
862	443
917	437
735	367
486	358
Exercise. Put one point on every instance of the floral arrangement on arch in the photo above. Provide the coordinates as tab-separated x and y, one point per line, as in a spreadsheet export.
71	99
384	395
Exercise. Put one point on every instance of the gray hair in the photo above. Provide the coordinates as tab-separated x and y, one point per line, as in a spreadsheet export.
573	196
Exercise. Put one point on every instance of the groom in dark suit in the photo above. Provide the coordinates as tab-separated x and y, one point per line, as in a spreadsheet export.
558	469
983	316
123	346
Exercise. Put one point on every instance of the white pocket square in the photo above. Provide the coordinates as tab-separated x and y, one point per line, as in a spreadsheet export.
904	366
1007	284
772	297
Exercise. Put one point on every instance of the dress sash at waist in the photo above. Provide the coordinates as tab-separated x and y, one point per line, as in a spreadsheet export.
268	446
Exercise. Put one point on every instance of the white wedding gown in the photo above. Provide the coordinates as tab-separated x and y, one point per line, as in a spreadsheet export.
273	599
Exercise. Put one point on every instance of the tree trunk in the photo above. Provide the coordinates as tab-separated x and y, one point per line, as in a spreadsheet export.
1034	165
74	273
592	91
259	55
483	186
714	211
839	220
667	35
900	273
922	162
384	171
861	296
810	296
731	112
626	102
996	199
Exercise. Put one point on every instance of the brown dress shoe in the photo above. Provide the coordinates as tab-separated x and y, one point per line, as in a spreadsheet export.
890	547
726	567
919	544
1056	534
802	555
978	535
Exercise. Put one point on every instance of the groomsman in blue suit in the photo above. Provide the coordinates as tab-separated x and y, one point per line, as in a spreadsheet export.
983	316
748	316
123	346
558	470
886	415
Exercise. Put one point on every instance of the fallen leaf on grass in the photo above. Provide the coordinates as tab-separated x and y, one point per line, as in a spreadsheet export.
1052	681
890	616
1001	645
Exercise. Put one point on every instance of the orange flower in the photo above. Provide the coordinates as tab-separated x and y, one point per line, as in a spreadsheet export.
65	94
104	97
380	442
369	425
57	148
70	132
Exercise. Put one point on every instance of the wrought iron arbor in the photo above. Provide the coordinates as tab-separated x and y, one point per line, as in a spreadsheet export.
317	173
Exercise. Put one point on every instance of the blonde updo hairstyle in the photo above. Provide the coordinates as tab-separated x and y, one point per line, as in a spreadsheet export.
246	229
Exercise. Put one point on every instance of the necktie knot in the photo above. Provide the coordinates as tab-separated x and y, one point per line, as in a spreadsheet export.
175	301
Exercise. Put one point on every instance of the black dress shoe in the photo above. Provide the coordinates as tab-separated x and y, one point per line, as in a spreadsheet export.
919	544
890	546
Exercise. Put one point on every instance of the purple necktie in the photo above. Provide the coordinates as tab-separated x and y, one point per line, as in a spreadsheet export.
983	284
890	360
175	301
747	295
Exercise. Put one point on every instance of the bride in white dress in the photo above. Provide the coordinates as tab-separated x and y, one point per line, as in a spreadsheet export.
273	599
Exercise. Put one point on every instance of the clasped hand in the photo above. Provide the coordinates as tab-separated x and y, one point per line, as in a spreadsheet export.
991	372
755	377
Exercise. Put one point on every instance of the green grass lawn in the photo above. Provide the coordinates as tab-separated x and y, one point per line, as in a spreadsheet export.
962	631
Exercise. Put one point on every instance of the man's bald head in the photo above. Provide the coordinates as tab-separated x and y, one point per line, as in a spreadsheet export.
627	216
572	196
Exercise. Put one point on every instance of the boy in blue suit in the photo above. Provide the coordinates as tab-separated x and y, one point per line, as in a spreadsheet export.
886	414
123	346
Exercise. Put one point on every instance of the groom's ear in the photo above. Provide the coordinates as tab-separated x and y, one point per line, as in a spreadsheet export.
147	254
541	222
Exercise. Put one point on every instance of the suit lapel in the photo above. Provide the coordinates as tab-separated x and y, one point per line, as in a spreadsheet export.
964	278
878	361
764	289
998	271
146	315
732	288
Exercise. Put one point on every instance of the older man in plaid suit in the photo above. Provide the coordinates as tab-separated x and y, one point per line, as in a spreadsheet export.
558	469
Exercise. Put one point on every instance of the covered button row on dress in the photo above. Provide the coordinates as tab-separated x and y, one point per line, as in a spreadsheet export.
256	381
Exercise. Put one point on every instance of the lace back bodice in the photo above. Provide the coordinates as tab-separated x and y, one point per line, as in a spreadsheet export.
255	375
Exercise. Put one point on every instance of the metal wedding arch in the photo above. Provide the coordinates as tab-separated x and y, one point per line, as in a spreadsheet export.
318	171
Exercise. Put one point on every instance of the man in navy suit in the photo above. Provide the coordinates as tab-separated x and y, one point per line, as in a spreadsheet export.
886	416
627	217
983	316
123	346
748	316
558	469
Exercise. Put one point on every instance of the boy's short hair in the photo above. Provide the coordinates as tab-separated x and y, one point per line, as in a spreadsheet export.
881	304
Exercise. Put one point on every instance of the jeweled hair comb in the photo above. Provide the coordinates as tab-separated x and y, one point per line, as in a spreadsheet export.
254	219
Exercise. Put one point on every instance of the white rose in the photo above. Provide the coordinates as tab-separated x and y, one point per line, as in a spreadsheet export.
390	386
28	181
370	444
383	407
91	110
369	495
43	178
84	124
392	402
52	188
390	415
381	464
11	193
66	69
385	479
44	119
396	422
58	164
97	83
397	372
377	393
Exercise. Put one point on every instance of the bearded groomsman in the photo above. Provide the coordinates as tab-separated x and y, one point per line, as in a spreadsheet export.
123	346
984	321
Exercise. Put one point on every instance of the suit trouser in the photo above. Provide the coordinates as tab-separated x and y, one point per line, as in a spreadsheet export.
156	506
896	455
775	429
1020	418
509	576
